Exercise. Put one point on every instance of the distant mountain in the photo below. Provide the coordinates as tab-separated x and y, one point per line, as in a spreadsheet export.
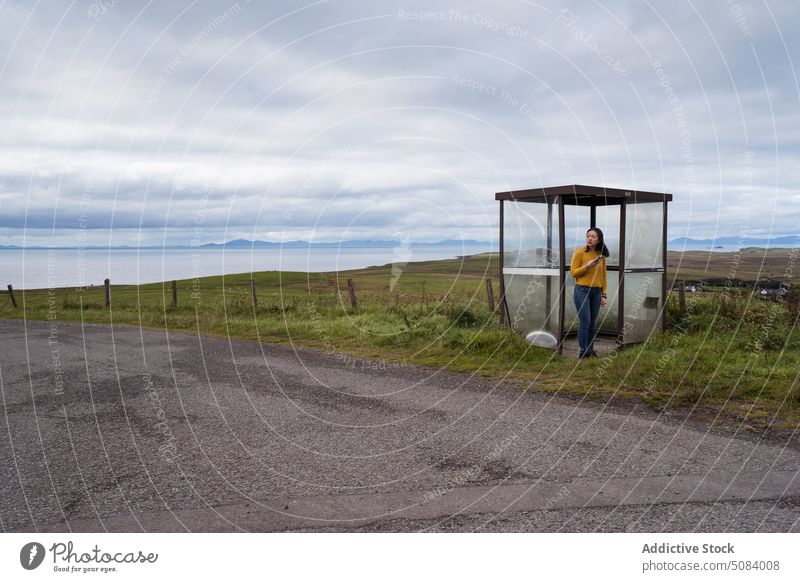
346	244
294	244
735	242
86	248
678	244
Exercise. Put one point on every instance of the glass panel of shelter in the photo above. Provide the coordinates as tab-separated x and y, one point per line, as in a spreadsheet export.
643	240
607	219
577	220
644	270
643	300
530	265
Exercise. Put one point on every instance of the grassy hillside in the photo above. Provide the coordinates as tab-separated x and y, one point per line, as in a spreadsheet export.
751	264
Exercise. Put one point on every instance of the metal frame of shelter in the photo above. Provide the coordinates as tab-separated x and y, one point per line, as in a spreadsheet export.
559	197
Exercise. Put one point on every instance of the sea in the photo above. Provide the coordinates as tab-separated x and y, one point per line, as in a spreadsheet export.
51	268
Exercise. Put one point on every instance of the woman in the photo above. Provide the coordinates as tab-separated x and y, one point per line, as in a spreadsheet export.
589	269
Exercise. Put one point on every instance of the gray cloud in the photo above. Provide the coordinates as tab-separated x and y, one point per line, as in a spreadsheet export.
338	117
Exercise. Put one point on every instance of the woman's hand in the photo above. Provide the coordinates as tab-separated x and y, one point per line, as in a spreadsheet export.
602	301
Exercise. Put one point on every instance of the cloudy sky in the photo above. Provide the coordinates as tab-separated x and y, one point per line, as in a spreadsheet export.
130	122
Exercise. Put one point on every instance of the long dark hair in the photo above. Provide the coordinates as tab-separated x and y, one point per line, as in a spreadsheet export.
601	245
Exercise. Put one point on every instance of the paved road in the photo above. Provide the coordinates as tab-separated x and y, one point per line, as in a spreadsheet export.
138	430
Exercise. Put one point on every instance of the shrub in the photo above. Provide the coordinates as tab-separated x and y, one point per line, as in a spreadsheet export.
466	315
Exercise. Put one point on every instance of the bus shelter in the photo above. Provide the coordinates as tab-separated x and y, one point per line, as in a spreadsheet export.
539	230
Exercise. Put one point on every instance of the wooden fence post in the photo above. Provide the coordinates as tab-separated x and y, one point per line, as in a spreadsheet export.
682	296
11	294
107	285
490	294
253	297
352	290
174	293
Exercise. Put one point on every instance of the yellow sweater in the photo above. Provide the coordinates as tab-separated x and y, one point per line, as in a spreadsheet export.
590	276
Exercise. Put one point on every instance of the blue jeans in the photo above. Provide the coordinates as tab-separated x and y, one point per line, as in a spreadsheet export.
587	302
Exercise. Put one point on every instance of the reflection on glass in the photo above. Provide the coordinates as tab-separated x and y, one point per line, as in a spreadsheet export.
643	302
643	240
530	266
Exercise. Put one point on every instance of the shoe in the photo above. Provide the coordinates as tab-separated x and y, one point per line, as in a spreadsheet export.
593	354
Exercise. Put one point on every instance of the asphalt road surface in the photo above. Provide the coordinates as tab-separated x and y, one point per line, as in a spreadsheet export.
121	429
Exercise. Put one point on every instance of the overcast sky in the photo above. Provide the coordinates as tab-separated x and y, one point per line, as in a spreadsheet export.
131	122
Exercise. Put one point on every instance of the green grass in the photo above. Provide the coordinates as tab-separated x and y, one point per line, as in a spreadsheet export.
732	356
